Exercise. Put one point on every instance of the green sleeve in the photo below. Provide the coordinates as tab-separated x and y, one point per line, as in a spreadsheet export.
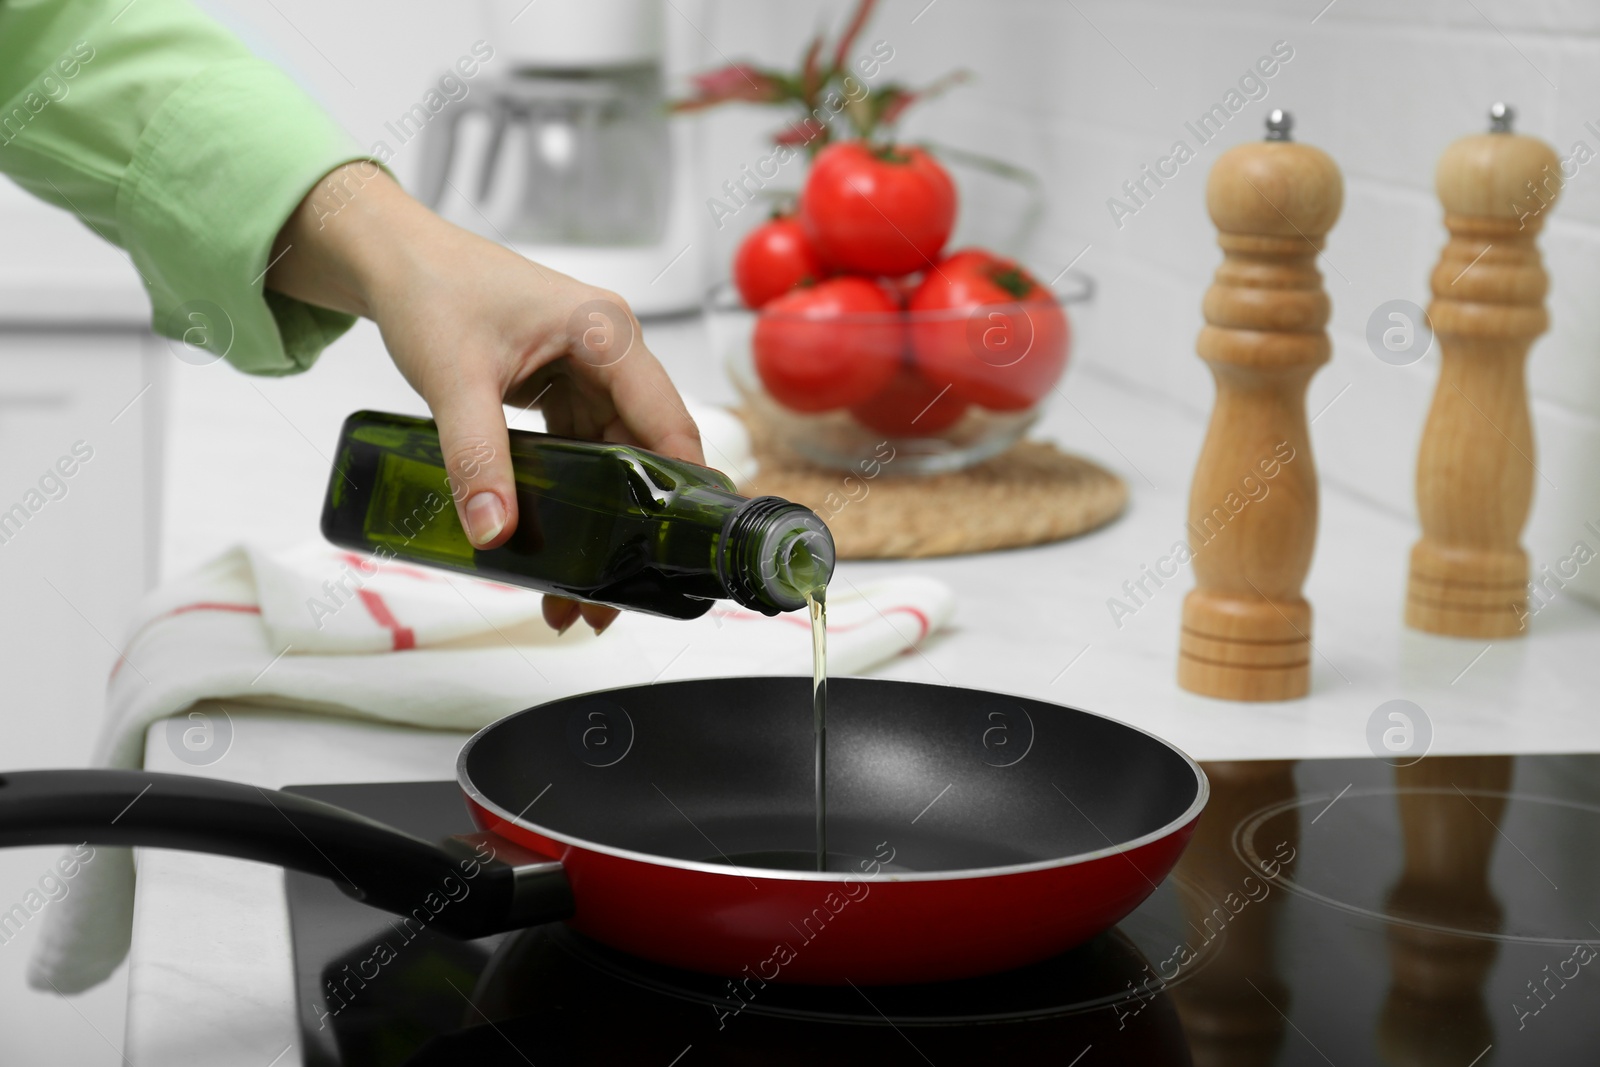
162	132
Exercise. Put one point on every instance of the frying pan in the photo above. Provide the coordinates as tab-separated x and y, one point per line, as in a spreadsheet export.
969	832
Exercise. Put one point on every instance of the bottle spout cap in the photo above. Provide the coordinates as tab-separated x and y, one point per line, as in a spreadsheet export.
802	556
1501	116
774	553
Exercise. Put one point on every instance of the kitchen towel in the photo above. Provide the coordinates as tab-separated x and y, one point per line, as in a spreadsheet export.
319	629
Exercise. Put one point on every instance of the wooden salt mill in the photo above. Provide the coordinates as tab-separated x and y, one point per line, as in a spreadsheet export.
1253	505
1469	574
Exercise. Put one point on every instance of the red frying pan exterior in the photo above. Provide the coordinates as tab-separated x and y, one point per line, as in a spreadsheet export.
1032	849
868	930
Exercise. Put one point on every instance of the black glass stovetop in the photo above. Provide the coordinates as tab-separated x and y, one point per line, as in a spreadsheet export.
1328	912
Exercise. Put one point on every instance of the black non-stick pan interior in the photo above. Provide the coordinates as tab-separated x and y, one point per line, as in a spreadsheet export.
719	769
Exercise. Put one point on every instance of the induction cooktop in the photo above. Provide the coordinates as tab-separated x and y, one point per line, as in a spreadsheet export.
1350	911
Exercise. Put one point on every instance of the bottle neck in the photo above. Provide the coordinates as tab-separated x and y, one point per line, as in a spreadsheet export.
774	552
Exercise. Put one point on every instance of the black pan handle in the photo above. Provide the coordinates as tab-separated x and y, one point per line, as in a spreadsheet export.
468	887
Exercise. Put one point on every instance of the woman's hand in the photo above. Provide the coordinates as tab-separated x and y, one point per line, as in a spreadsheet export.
472	324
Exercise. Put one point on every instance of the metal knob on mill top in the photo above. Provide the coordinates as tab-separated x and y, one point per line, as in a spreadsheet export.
1476	465
1253	503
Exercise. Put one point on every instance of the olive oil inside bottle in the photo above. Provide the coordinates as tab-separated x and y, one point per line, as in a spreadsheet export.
606	523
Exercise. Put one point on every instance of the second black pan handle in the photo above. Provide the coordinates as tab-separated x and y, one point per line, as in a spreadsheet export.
467	888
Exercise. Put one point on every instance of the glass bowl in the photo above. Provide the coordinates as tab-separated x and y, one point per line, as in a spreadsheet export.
966	384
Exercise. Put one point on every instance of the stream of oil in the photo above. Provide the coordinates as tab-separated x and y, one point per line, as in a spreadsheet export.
816	601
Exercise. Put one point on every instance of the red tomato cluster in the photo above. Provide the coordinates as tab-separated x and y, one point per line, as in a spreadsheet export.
843	325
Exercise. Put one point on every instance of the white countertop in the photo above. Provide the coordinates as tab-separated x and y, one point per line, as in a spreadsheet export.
210	969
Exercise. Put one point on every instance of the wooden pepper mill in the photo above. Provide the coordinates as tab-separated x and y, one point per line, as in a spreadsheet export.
1253	505
1469	574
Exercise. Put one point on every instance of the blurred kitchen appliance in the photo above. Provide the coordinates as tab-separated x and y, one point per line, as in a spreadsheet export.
565	150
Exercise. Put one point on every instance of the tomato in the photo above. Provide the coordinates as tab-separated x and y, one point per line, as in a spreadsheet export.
989	329
774	258
830	345
910	406
877	210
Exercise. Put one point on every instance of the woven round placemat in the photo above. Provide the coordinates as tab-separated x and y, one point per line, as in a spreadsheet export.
1029	495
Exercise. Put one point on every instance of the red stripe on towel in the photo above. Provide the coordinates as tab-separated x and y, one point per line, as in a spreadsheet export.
404	638
211	605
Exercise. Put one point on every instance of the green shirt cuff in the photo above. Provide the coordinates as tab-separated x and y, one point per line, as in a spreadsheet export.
216	173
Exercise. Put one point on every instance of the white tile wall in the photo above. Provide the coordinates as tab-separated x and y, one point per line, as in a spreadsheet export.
1084	93
1382	86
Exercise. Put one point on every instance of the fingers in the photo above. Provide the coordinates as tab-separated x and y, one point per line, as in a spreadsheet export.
610	386
649	406
476	449
573	405
606	348
560	613
599	616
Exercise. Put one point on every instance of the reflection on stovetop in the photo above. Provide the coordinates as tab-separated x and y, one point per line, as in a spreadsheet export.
1328	911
